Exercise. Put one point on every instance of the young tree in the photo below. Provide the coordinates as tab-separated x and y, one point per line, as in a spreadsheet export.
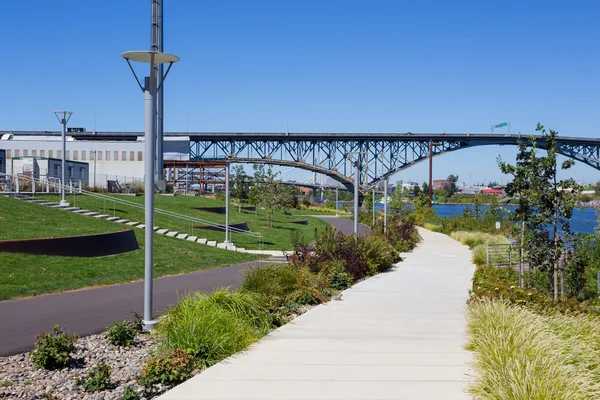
266	192
287	197
543	201
238	187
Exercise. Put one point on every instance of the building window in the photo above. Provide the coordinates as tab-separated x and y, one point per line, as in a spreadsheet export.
124	156
59	154
25	153
34	153
42	153
131	156
99	155
17	153
50	153
8	154
84	155
116	156
107	155
140	156
75	155
68	155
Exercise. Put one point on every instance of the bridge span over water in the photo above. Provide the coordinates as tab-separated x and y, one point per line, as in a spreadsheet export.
379	155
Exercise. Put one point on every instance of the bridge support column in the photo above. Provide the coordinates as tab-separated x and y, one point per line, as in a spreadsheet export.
385	204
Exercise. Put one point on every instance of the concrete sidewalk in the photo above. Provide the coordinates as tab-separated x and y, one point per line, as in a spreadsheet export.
399	335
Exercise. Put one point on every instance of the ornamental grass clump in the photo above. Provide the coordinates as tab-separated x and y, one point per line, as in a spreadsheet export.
212	327
521	354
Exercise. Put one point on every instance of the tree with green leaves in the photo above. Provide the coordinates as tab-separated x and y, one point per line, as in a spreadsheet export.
287	197
452	188
266	191
544	201
238	187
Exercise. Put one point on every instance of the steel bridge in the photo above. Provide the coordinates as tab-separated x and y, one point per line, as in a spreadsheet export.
379	155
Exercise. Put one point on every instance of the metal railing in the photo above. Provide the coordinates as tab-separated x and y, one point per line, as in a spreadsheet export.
116	200
501	255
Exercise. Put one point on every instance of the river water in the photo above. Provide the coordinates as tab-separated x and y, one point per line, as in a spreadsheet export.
583	221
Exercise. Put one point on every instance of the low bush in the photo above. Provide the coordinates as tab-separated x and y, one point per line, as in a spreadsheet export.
211	327
129	393
121	333
97	379
336	275
401	233
503	283
380	255
169	368
53	350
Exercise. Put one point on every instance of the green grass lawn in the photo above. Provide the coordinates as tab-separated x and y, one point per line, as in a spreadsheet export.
24	275
278	237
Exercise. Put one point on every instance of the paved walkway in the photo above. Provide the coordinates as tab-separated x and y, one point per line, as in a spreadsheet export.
89	311
399	335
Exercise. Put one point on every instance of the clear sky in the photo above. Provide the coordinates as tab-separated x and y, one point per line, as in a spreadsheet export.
314	66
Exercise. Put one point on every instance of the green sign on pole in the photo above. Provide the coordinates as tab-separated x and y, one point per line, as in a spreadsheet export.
501	124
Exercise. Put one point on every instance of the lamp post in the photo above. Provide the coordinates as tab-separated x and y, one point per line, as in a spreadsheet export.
385	197
95	158
356	184
336	201
63	117
227	233
431	144
150	89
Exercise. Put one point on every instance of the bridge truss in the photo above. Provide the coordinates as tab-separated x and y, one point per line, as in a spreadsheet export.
379	155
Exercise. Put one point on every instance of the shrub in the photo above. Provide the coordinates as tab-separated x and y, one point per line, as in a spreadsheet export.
336	275
53	350
402	233
129	393
380	255
98	378
169	368
210	327
502	283
121	333
337	246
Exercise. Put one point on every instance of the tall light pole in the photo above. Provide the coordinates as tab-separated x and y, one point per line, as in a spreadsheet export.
63	117
431	144
385	204
373	202
95	158
356	185
227	233
150	88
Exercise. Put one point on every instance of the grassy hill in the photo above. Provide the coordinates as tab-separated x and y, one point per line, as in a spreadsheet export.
27	275
278	237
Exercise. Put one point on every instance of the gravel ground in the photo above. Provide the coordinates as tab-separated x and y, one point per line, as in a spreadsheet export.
19	379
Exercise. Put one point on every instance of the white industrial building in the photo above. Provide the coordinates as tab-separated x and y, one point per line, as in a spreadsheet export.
110	156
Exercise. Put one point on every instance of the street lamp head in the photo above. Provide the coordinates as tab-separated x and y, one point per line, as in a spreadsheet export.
63	116
150	57
153	58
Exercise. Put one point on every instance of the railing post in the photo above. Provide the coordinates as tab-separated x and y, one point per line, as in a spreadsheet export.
47	185
18	187
33	186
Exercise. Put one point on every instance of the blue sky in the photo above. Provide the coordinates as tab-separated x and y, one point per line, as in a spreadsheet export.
323	66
